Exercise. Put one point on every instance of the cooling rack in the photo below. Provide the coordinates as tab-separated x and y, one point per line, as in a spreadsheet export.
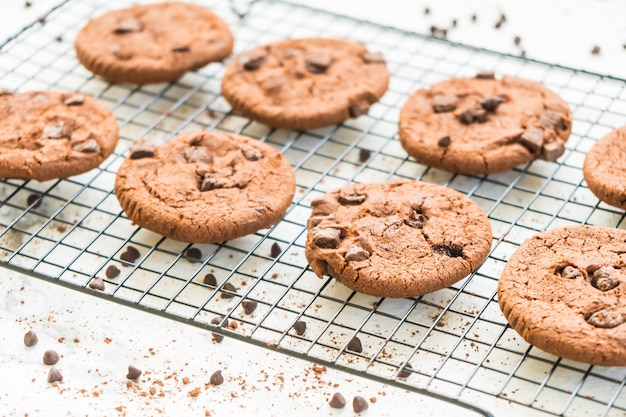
456	341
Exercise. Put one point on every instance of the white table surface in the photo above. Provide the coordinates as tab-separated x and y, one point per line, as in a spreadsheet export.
97	339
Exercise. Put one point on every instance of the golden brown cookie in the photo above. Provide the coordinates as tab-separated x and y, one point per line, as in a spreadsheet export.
563	291
205	187
305	83
153	42
605	168
399	238
484	125
46	134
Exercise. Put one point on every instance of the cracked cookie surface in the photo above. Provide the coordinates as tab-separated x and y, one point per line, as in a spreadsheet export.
46	134
305	83
399	238
484	125
152	43
205	187
563	291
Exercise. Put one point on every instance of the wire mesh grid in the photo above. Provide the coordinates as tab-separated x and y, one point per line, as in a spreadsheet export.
456	340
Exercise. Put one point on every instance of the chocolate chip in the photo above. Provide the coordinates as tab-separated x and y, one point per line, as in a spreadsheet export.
250	153
57	131
372	57
452	250
230	290
359	109
97	284
337	401
209	279
249	306
517	40
364	155
604	278
553	150
217	320
405	372
328	238
30	338
180	49
317	62
356	253
607	318
275	251
466	117
480	115
141	149
416	220
253	60
444	142
195	154
87	146
355	345
210	182
133	373
50	357
194	254
74	100
217	378
5	92
454	23
552	120
491	103
59	38
54	375
485	75
315	220
571	272
131	254
352	199
532	139
128	25
426	11
112	271
442	103
122	55
595	50
27	4
34	200
299	327
359	404
474	18
591	269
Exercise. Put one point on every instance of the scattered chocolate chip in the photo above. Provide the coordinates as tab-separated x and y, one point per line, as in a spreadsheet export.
180	49
317	62
433	30
209	279
198	154
50	357
501	21
194	253
87	146
30	338
217	378
131	254
353	199
480	115
141	149
97	284
466	117
452	250
491	103
454	23
230	290
133	373
355	345
5	92
128	25
59	38
364	155
532	139
372	57
249	306
517	40
122	55
54	375
485	75
443	32
327	237
250	153
253	60
604	278
359	404
74	100
595	50
217	320
591	269
58	131
405	372
444	142
314	221
299	327
522	53
275	251
442	103
607	318
426	11
337	401
552	119
359	109
474	18
41	20
356	253
34	200
553	150
27	4
498	24
112	271
571	272
416	220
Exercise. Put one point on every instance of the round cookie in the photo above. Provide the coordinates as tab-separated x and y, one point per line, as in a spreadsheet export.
152	43
205	187
305	83
484	125
605	168
564	291
399	238
46	134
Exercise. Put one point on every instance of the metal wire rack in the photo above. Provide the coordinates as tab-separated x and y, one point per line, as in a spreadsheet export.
456	340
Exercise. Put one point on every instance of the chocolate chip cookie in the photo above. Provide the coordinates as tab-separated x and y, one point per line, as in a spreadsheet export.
46	134
563	291
484	125
152	43
605	168
205	187
398	238
305	83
